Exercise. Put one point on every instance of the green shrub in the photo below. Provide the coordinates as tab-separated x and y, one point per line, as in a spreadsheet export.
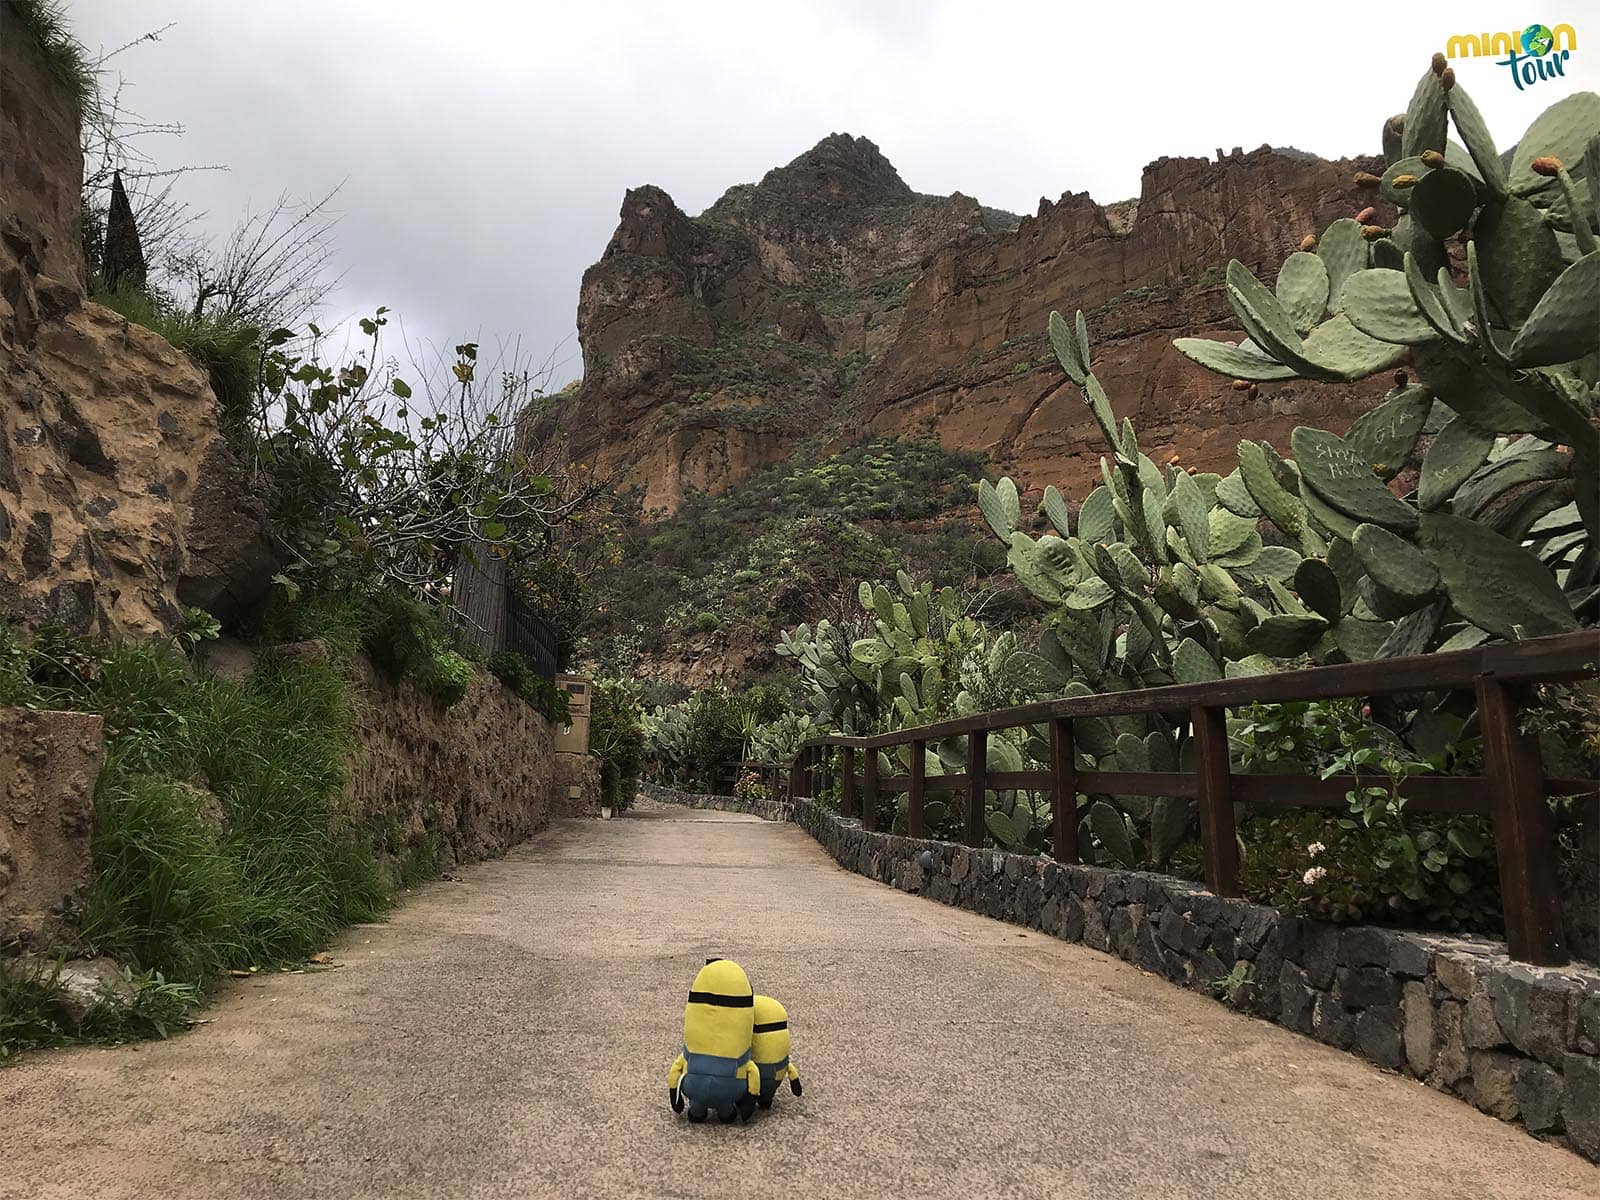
617	738
1335	867
34	1010
222	835
511	669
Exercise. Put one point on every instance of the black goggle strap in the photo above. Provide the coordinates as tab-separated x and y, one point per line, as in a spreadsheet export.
722	1001
772	1027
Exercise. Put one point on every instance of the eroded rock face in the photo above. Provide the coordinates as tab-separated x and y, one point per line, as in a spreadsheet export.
712	344
831	290
48	765
119	498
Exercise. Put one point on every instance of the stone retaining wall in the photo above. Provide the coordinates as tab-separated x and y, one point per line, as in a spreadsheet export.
765	809
1521	1043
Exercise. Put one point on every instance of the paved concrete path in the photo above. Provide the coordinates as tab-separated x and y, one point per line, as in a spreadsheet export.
507	1035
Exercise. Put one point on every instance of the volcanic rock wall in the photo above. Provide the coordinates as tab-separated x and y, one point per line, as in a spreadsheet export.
119	498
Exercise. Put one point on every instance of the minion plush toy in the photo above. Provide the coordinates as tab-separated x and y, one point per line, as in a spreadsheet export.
770	1049
715	1069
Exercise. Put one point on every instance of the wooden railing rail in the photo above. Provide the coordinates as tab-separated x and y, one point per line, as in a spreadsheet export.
1511	791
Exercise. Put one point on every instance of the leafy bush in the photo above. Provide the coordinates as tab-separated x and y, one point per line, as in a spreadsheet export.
1339	868
617	738
404	637
511	669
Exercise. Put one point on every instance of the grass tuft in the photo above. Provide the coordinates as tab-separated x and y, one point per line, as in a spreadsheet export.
64	55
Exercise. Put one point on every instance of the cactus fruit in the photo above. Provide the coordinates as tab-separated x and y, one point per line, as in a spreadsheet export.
1373	232
1447	78
1309	242
1440	62
1366	215
1432	159
1367	179
1546	165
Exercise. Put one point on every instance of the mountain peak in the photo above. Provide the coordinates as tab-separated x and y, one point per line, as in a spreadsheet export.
850	170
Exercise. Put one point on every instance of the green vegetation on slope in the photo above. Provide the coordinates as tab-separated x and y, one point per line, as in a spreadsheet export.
783	545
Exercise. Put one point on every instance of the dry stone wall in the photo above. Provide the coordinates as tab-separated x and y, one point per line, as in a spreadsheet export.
481	774
1521	1043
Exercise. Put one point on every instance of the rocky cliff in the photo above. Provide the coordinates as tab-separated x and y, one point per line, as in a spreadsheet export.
119	498
831	297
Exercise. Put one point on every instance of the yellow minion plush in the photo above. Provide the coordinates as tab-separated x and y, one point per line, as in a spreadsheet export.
770	1049
715	1069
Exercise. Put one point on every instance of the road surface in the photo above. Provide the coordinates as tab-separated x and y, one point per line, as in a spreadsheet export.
508	1034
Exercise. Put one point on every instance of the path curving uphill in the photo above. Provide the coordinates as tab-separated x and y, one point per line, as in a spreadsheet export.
508	1034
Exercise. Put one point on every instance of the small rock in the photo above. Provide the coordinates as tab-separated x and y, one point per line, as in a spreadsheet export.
1419	1029
1331	1022
1451	1064
1539	1091
1364	946
1410	957
1456	974
87	983
1378	1035
1493	1086
1481	1029
1296	999
1363	987
1580	1109
1532	1012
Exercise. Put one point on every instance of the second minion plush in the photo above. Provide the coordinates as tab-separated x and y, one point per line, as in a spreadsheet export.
770	1049
715	1070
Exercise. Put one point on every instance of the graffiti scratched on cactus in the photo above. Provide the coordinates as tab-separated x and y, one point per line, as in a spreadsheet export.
1532	54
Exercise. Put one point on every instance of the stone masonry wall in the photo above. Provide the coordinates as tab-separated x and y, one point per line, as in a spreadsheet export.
1521	1043
765	809
480	774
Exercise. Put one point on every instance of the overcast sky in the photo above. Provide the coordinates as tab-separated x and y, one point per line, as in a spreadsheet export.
485	144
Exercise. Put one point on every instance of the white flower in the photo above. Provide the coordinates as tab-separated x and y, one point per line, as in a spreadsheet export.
1314	874
1315	848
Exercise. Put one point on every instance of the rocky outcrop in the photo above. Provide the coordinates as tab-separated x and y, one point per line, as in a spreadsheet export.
119	497
712	344
831	296
48	765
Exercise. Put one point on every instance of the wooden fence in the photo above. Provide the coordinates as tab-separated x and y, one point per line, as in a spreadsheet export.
495	619
1512	791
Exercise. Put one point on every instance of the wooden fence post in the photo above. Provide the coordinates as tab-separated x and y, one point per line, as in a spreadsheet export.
847	781
1063	791
796	773
1219	843
869	788
915	793
1524	833
977	784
